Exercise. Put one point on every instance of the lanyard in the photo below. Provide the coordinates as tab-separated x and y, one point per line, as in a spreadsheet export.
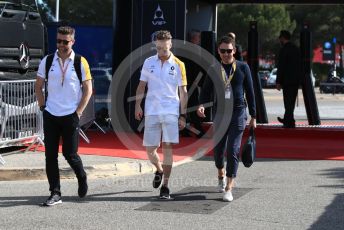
63	70
227	78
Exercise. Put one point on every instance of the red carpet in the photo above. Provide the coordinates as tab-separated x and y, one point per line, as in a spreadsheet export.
308	143
110	144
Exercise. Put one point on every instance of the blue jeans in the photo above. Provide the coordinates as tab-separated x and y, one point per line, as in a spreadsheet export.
230	143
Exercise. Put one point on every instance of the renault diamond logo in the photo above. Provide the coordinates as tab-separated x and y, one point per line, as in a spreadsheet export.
24	56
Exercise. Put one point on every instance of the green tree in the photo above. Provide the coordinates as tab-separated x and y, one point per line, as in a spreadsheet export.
80	12
326	21
271	18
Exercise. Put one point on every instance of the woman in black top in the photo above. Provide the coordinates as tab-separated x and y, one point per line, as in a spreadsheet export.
237	80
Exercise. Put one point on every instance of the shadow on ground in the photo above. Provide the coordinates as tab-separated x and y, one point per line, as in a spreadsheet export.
333	216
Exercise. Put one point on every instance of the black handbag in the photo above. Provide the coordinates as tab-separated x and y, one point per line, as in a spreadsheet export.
248	153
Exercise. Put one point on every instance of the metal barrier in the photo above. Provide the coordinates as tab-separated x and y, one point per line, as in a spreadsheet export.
88	118
20	119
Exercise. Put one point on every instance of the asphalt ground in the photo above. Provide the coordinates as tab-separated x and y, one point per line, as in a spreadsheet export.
272	194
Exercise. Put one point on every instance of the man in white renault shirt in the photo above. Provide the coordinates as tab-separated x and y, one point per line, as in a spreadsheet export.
164	75
62	109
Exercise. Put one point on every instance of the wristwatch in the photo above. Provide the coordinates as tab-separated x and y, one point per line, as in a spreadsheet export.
42	107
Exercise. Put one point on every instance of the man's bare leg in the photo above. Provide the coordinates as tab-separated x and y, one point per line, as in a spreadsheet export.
168	161
154	158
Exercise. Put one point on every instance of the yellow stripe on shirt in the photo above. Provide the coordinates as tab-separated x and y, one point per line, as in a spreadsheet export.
182	70
86	67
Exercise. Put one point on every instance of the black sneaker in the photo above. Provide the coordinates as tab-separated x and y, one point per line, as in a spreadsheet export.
164	193
157	179
54	198
83	187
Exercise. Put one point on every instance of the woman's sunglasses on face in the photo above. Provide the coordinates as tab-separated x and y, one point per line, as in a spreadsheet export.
64	42
229	51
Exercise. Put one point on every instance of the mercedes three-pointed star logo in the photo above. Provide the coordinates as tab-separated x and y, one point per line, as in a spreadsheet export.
24	56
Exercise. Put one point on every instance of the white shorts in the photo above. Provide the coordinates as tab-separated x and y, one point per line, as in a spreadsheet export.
155	124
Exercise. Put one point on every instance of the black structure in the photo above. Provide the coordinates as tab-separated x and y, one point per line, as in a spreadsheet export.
208	42
253	62
341	56
307	86
300	2
135	24
136	21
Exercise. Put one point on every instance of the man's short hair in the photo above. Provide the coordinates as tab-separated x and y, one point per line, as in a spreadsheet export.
226	40
163	35
285	34
193	33
66	30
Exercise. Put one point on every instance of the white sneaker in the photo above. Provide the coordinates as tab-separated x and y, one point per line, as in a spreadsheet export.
221	185
227	196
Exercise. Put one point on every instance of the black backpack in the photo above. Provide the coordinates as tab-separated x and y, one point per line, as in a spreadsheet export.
49	62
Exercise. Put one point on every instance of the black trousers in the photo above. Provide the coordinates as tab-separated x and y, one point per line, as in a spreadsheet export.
289	99
230	143
66	127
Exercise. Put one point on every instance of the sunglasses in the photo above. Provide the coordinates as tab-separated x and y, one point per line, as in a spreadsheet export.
229	51
64	42
161	48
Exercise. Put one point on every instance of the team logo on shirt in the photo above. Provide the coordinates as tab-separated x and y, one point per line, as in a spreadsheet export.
172	71
151	68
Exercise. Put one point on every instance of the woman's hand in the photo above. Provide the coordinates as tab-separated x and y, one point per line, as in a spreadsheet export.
253	123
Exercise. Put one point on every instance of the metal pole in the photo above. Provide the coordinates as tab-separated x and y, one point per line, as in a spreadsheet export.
253	62
341	56
335	54
57	16
307	87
